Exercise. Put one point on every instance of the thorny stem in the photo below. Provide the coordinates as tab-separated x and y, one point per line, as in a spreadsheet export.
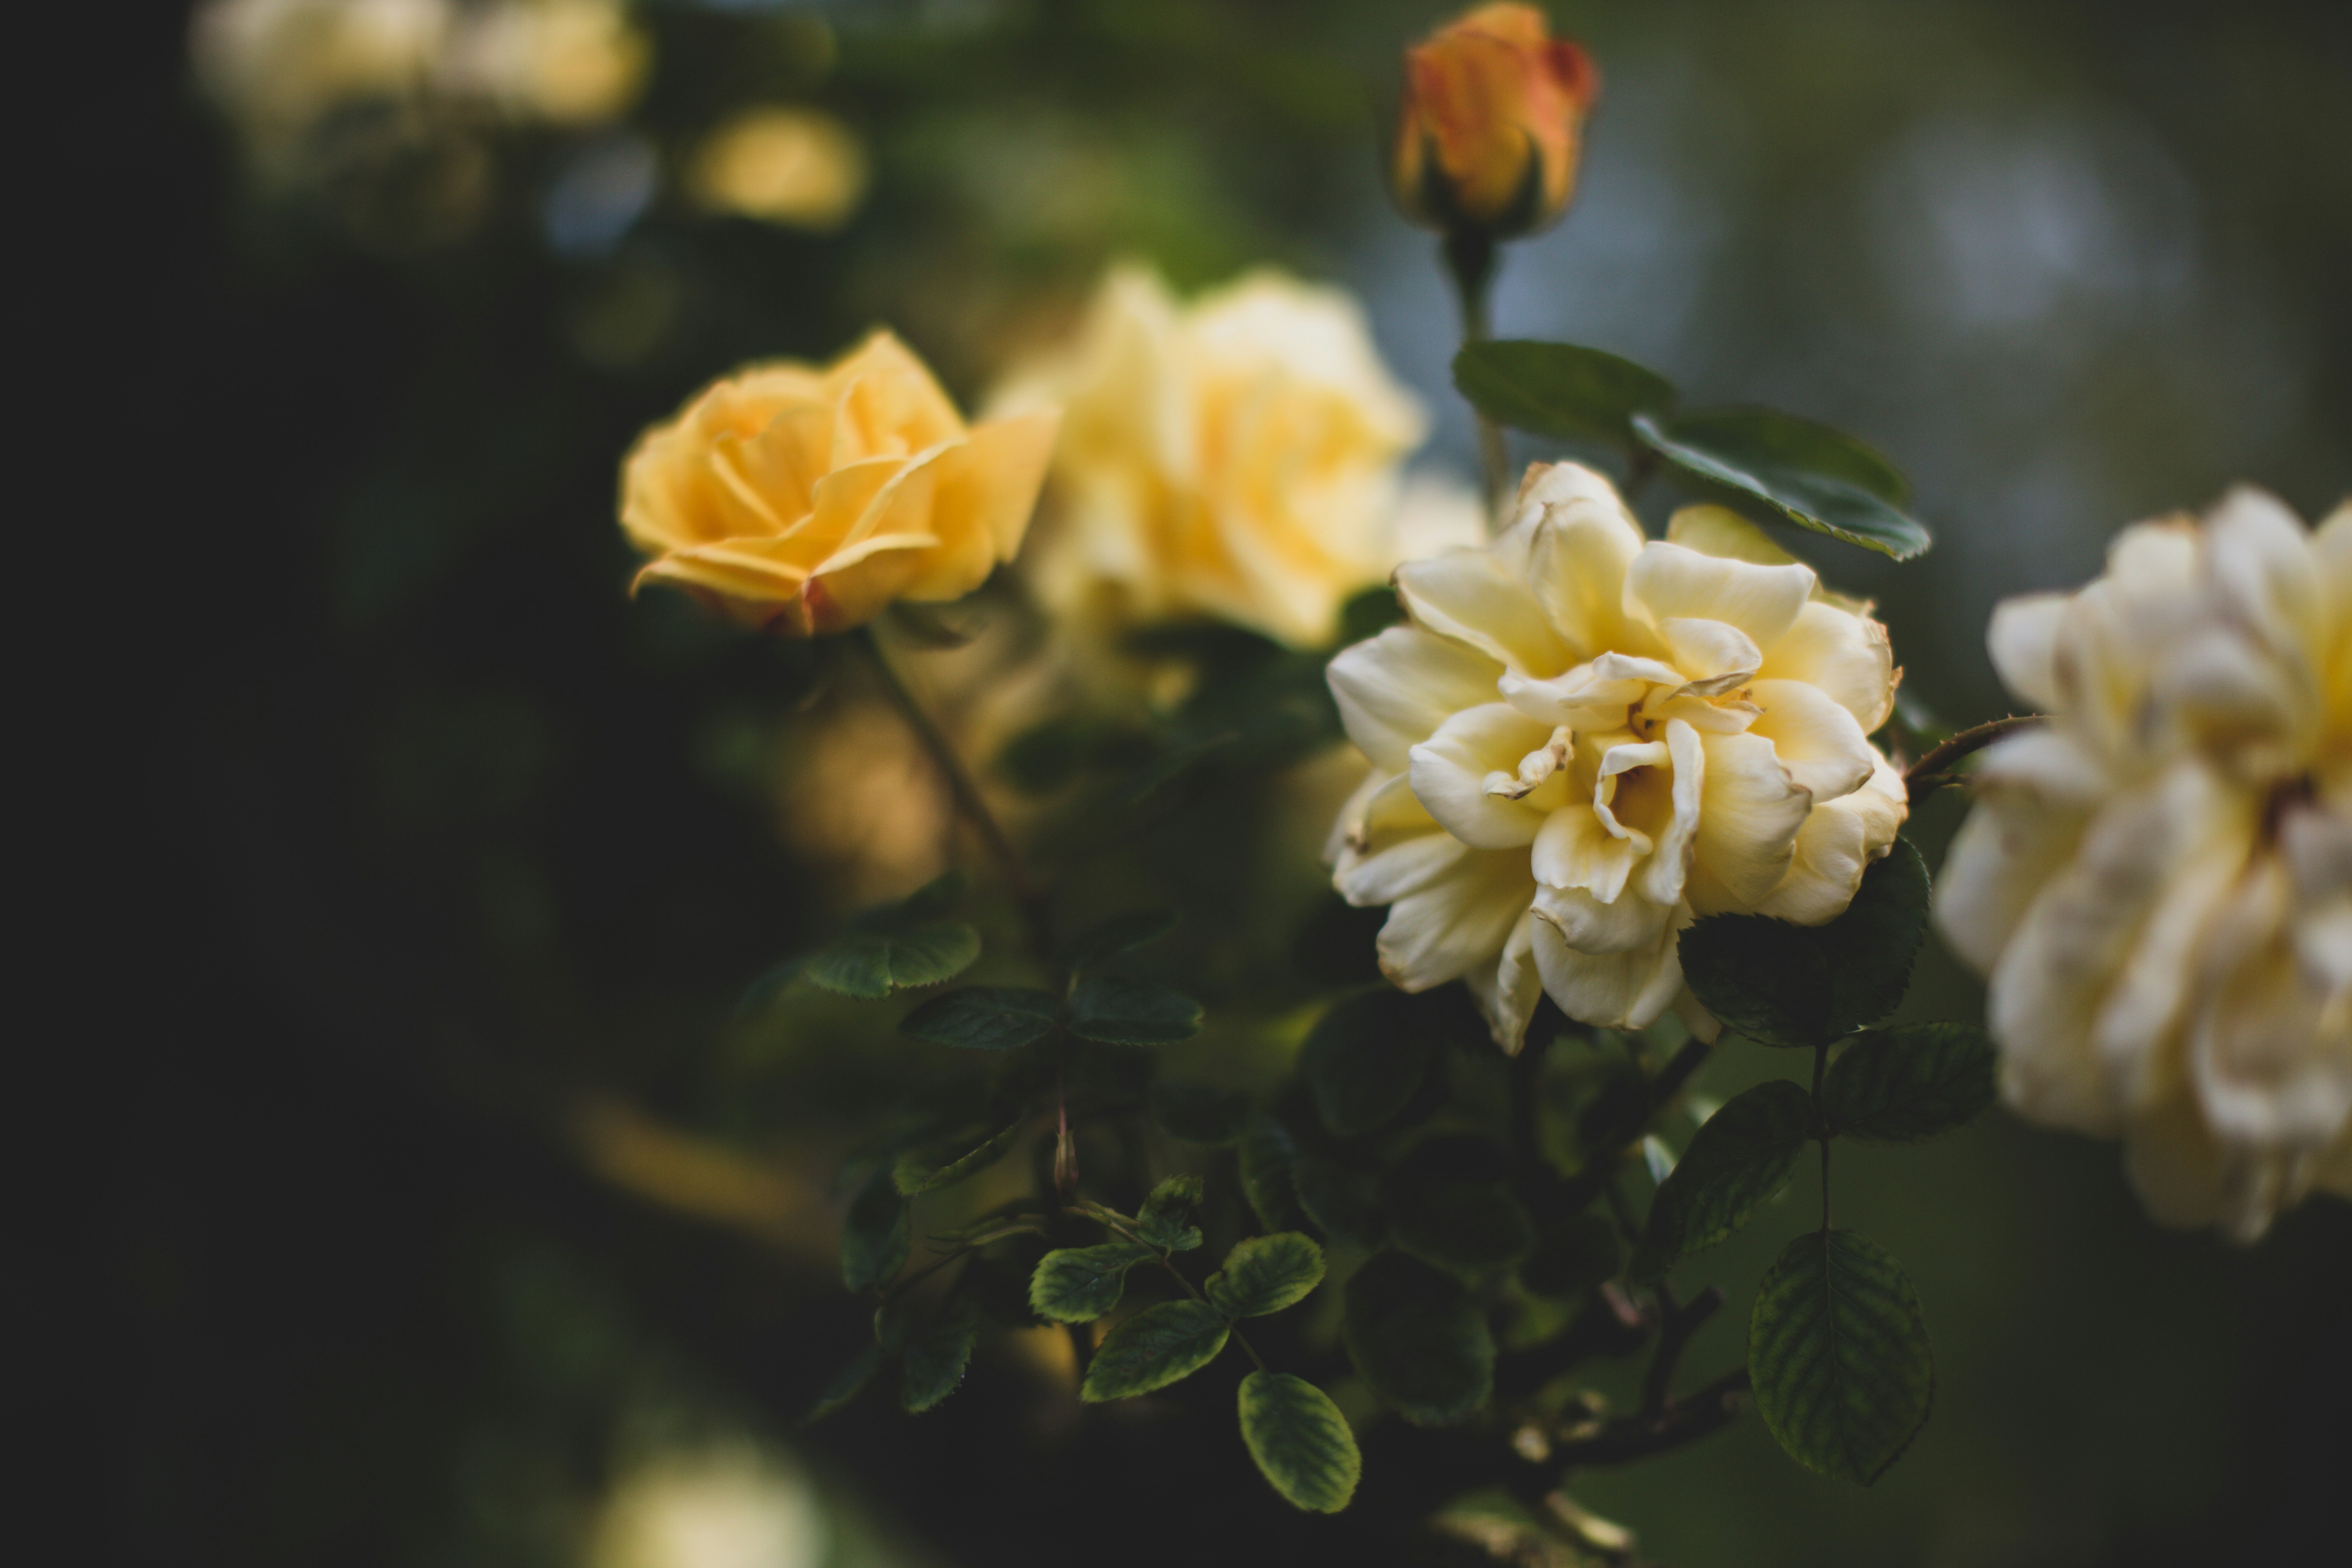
1167	1261
969	802
1934	770
1470	262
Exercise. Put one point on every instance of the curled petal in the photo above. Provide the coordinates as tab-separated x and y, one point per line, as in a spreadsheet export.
1835	847
1749	815
1818	741
1395	690
1847	656
1475	597
1587	925
1667	582
2023	642
1450	771
1506	994
1710	650
1458	923
1611	990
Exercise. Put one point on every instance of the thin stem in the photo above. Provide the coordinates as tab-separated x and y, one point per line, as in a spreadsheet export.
969	802
1167	1261
1470	258
1677	1323
1820	1062
1932	771
1683	1421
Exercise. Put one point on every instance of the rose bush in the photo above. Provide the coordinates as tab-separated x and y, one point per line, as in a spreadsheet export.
801	500
2158	882
1582	741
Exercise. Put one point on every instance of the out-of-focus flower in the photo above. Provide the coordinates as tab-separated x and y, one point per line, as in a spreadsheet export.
1492	123
729	1507
799	167
1583	741
2159	882
801	499
566	62
1234	457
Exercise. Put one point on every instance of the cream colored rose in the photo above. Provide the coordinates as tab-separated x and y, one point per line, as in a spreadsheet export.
1583	741
1234	457
2158	882
801	499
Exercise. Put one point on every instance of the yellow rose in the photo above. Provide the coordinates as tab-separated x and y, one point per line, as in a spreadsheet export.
1492	122
798	167
801	499
2159	882
1234	457
1583	741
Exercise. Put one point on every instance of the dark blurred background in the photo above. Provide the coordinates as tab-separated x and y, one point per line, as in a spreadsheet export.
451	1219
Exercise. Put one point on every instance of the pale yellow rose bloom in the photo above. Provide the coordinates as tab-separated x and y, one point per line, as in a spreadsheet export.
2159	882
1234	457
1583	741
801	499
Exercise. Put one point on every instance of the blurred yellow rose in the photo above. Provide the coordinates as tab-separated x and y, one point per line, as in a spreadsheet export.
2159	882
799	167
1234	457
801	499
1492	122
569	62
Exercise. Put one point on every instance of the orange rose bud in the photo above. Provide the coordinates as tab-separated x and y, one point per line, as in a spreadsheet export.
1492	124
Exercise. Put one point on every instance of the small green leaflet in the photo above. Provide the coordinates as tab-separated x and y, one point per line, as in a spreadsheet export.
942	1165
1079	1284
1157	1346
983	1018
1264	1274
1419	1339
1739	1157
1267	1150
1116	1012
876	1234
872	964
1808	474
1913	1082
1165	1222
1300	1441
937	1354
1837	1349
1559	389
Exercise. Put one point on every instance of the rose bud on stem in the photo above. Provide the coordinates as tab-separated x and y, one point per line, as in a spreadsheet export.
1487	148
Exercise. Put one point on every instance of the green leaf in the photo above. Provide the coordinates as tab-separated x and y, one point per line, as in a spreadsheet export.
847	1385
1463	1228
1198	1113
1910	1082
1808	473
1365	1058
1116	1012
1300	1441
1559	389
1157	1346
933	899
1838	1351
1419	1339
1869	950
1763	977
1165	1222
874	1236
1804	985
1267	1151
937	1354
872	964
1119	934
1339	1201
943	1164
1740	1156
1264	1274
1079	1284
983	1018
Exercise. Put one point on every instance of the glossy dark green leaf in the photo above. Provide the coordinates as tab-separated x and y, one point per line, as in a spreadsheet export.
873	964
938	1165
1365	1059
1341	1201
1913	1082
1419	1339
1157	1346
847	1385
1802	471
1465	1227
1738	1159
1267	1151
1079	1284
1869	950
1559	389
1166	1220
983	1018
1300	1441
1264	1274
1837	1349
1120	934
1116	1012
1763	977
874	1236
937	1354
1198	1112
